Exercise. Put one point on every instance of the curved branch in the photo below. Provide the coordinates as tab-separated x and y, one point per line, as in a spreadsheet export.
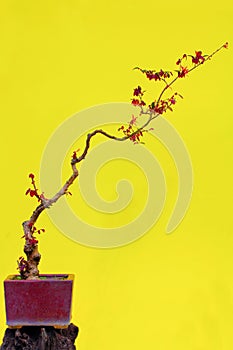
102	132
28	269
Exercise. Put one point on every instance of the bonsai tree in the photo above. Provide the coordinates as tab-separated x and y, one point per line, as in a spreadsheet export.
133	132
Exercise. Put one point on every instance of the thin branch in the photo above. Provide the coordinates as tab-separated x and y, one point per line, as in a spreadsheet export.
190	70
102	132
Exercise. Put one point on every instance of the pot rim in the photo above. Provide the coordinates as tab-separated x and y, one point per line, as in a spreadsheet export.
50	277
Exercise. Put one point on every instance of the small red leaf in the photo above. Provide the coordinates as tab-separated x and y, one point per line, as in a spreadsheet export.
28	190
32	193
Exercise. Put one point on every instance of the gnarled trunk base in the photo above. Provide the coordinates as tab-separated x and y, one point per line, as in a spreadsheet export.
40	338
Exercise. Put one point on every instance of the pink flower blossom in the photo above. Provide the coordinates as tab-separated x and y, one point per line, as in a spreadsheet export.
133	121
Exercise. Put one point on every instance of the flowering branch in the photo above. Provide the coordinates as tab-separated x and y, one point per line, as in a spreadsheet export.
29	268
197	60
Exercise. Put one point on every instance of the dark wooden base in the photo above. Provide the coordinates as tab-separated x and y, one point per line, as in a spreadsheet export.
40	338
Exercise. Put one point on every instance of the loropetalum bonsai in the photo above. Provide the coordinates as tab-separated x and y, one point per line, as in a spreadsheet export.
28	268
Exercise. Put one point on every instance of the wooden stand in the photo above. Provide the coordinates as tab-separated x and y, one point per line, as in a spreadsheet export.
40	338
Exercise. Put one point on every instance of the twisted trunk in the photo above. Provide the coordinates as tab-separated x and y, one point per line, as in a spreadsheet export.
33	259
29	268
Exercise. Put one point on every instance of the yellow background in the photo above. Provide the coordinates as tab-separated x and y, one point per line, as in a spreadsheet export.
58	57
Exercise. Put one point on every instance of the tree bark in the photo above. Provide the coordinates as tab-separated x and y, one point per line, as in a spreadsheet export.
40	338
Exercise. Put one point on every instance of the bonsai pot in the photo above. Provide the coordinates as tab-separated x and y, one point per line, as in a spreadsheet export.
41	302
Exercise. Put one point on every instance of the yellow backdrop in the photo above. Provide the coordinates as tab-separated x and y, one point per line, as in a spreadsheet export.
59	57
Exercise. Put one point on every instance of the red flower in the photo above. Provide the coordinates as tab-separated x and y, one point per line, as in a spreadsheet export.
33	241
226	45
74	155
172	100
150	75
137	91
136	102
198	58
32	193
161	73
136	137
182	73
31	176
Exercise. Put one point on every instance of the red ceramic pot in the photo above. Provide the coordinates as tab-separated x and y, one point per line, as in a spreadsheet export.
42	302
